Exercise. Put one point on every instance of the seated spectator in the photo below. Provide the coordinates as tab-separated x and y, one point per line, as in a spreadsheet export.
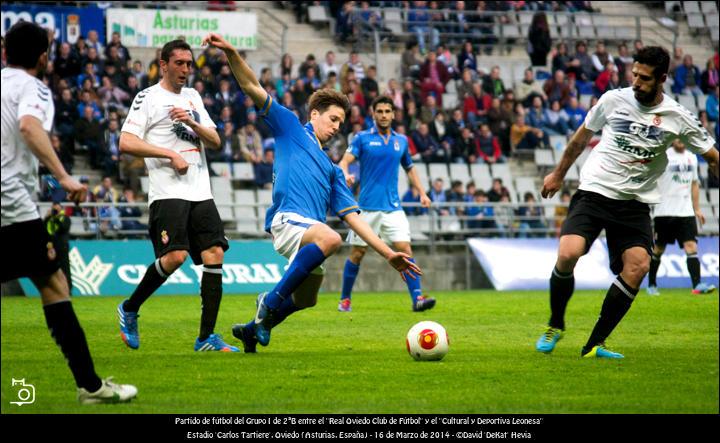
534	115
455	125
455	195
497	190
466	145
504	215
524	137
687	78
530	218
480	215
563	61
429	110
434	76
129	215
410	61
369	85
624	60
264	170
488	146
500	119
470	189
344	25
467	60
529	88
251	144
576	114
601	58
561	211
229	146
445	57
111	154
555	120
585	71
436	194
89	73
604	81
411	120
426	144
355	65
395	93
328	66
109	215
111	95
477	105
556	88
66	114
464	87
418	19
87	101
88	133
709	77
492	83
413	196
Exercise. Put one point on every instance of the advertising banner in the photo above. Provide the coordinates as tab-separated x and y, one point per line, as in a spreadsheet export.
512	264
116	267
68	22
153	28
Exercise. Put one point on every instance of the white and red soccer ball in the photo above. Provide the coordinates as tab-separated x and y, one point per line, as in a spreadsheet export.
427	340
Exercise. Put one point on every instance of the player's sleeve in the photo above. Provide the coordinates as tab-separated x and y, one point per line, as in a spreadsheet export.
695	136
36	100
355	147
341	199
278	117
136	121
405	160
205	119
597	115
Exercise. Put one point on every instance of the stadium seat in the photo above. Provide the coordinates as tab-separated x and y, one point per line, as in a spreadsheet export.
245	216
625	33
714	33
419	227
317	14
711	18
708	7
450	223
222	193
690	7
714	197
480	174
422	174
525	18
573	173
502	170
450	100
525	184
264	198
544	158
585	101
510	30
393	20
459	171
145	184
243	171
439	170
558	142
222	169
703	171
402	182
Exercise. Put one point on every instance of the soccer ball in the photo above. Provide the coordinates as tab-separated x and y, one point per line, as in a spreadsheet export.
427	340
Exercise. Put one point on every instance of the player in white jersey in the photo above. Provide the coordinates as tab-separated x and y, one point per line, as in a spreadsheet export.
617	183
27	115
169	126
675	216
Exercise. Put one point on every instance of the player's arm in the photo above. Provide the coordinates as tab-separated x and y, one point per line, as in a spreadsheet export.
38	142
134	145
711	157
553	181
695	194
208	135
417	184
243	74
344	164
397	260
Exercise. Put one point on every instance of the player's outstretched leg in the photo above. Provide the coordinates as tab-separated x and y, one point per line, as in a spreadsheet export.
350	273
127	311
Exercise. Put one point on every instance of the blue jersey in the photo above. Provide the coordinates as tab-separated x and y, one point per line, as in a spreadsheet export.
379	158
305	180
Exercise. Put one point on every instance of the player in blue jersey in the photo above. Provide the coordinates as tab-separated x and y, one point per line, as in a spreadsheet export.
381	151
306	184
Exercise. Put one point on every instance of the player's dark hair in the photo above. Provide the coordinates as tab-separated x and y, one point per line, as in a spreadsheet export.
169	47
25	42
322	99
654	56
382	99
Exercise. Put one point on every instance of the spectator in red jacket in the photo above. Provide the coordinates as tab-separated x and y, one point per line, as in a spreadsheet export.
433	78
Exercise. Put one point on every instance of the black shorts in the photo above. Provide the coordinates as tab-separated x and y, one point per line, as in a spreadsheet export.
33	254
626	222
181	225
671	229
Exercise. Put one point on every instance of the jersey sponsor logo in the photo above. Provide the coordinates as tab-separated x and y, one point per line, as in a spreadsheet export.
183	133
624	145
651	133
88	278
375	144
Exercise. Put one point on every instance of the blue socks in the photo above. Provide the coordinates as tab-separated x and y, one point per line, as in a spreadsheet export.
413	285
349	276
308	258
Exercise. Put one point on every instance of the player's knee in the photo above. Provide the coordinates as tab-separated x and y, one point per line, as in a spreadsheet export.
567	259
690	248
213	255
331	242
357	254
637	267
173	260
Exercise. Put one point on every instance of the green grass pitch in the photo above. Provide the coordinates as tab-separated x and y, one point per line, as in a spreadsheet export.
324	361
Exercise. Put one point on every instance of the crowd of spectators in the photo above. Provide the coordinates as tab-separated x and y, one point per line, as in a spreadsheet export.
94	85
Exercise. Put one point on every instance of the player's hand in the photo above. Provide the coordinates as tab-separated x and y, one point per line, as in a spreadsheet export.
216	40
700	217
350	180
425	201
182	115
552	184
179	164
76	191
400	261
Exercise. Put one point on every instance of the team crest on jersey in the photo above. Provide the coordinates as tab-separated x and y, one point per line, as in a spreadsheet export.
164	237
396	145
657	120
51	254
